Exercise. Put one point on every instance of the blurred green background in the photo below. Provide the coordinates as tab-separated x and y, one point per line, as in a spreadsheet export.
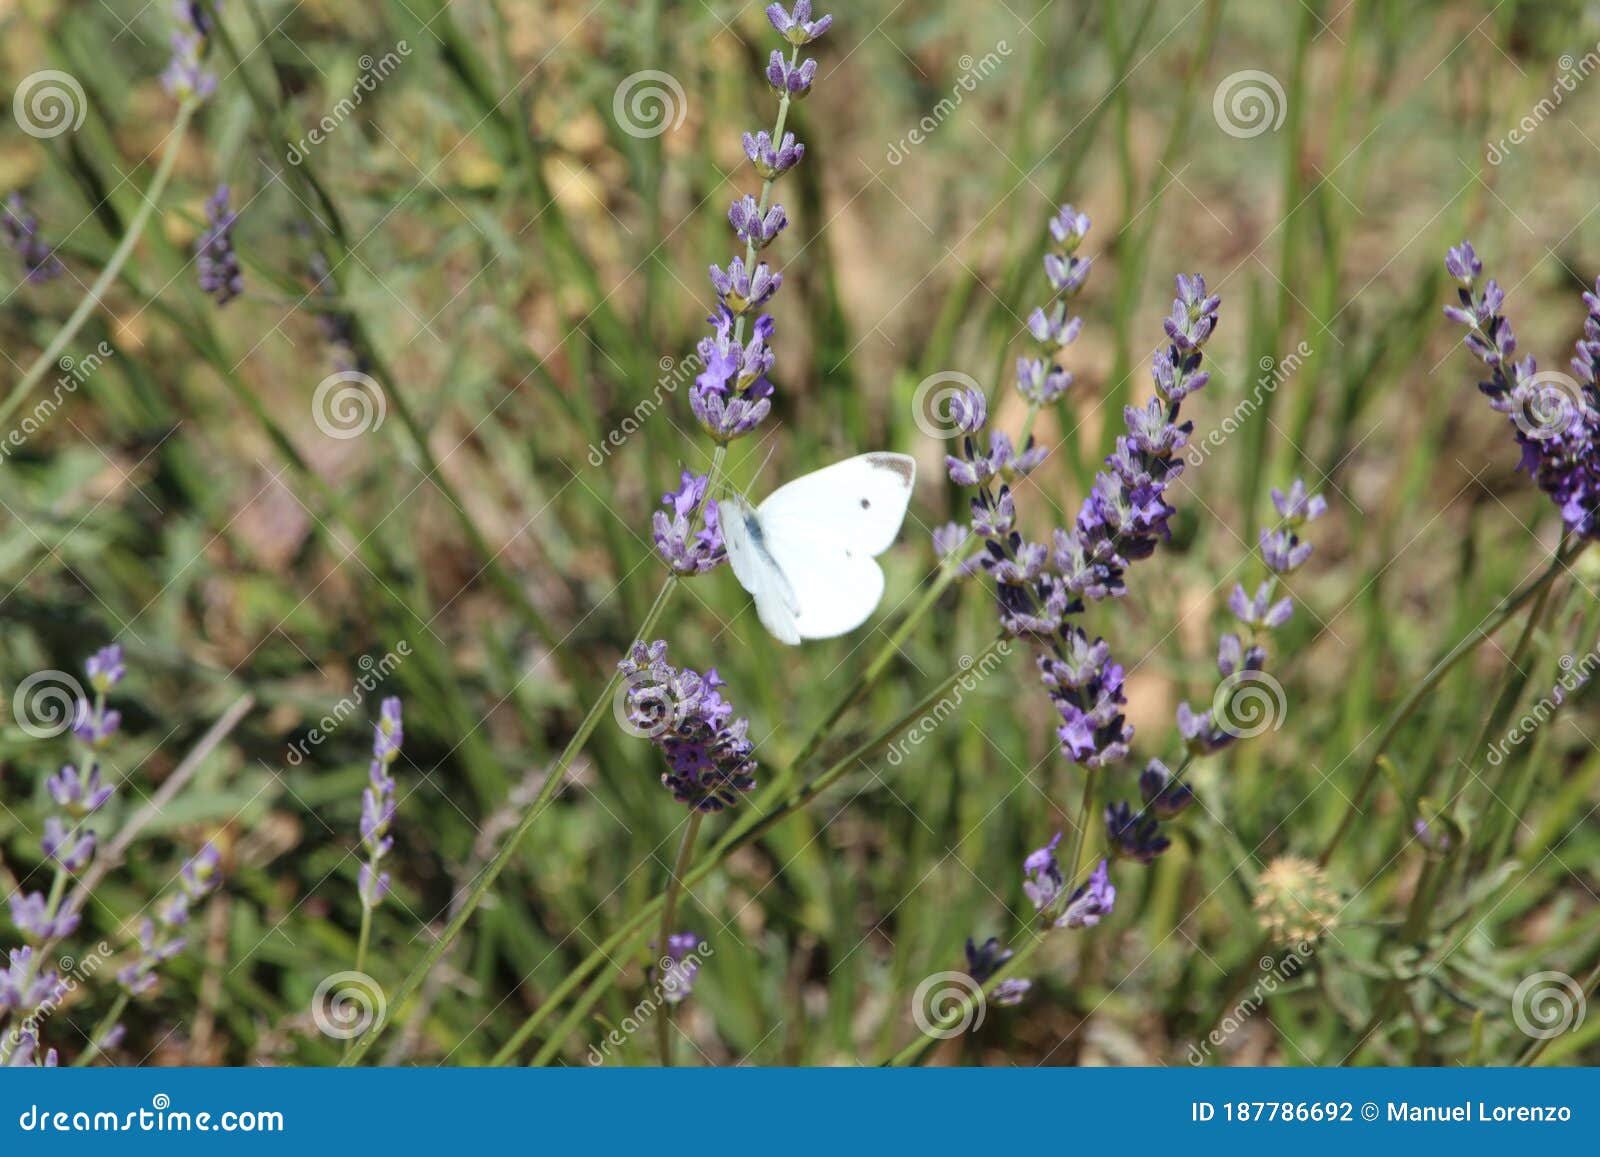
527	271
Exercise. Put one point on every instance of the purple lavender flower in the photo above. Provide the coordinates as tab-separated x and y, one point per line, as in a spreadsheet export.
70	848
1259	610
22	232
772	160
18	1049
689	554
1557	418
21	989
731	395
677	979
1200	732
1134	836
1164	796
1091	902
163	936
105	668
789	79
710	758
78	795
202	873
1297	507
378	803
186	77
984	960
1042	881
33	917
797	27
1086	687
1054	326
740	289
215	259
754	228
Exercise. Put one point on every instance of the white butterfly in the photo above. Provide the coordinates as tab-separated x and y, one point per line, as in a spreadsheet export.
806	552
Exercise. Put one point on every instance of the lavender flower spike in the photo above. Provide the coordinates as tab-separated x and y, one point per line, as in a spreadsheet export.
689	554
215	259
797	27
378	803
677	978
710	758
1092	901
1043	881
1557	419
39	260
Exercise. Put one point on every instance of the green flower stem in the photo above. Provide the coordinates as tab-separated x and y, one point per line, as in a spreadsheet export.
669	913
491	872
105	1025
1408	707
91	300
751	827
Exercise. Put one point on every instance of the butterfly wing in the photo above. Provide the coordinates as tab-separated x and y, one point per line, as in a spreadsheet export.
822	531
860	502
757	571
835	587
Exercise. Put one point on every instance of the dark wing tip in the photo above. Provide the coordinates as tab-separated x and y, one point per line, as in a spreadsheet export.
902	465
